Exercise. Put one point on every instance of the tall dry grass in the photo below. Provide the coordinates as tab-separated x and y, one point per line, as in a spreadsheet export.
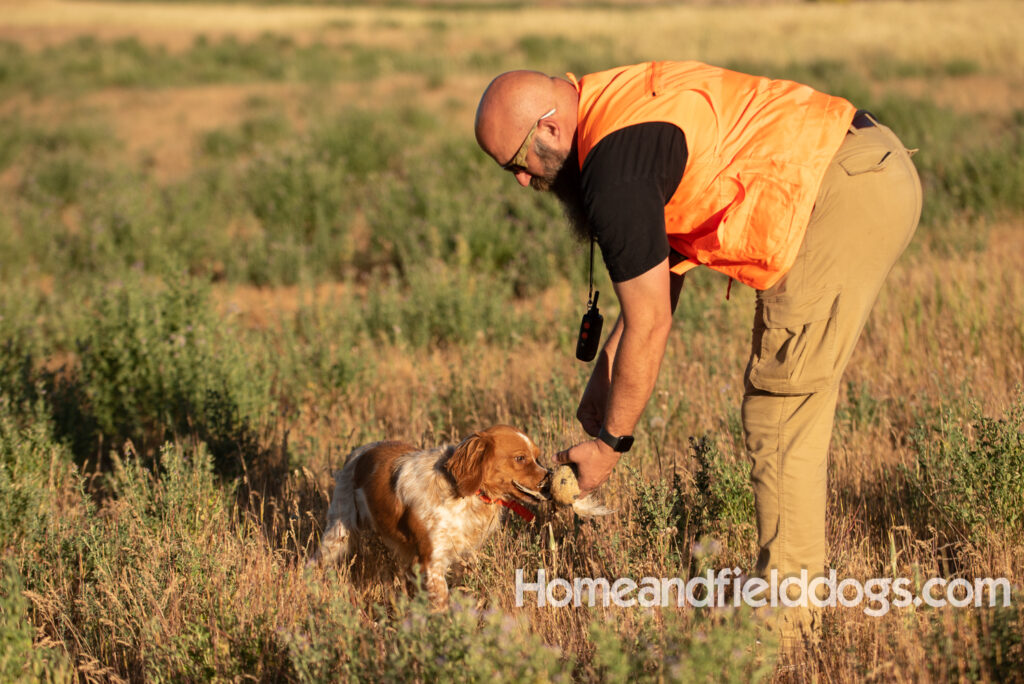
187	355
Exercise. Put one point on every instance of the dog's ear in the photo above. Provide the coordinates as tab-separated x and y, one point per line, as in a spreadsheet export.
466	464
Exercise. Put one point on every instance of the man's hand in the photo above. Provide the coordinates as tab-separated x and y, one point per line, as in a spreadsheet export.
595	461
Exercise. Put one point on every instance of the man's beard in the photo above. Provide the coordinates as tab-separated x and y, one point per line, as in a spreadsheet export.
561	178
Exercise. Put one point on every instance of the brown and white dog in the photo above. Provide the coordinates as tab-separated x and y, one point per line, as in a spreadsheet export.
434	506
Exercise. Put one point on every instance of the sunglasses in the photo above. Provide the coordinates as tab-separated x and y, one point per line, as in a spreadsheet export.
518	161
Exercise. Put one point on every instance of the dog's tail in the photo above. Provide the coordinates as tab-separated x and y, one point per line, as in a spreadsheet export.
343	516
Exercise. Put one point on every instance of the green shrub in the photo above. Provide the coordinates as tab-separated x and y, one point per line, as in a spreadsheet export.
967	477
460	645
363	142
718	645
86	63
465	644
300	202
443	305
259	129
725	499
580	56
229	59
156	362
21	660
59	179
33	465
661	513
884	68
491	223
178	495
139	588
29	139
18	376
717	511
30	456
977	645
969	167
862	409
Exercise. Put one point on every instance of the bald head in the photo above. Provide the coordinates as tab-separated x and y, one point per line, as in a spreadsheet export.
513	103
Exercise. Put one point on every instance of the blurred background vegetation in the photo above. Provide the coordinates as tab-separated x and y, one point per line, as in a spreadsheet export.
237	241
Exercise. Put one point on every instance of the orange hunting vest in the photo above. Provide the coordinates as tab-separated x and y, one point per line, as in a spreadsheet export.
757	151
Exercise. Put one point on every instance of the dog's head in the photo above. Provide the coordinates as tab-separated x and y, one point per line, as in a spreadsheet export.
501	462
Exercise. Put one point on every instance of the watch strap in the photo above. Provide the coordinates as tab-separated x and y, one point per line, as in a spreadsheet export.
619	444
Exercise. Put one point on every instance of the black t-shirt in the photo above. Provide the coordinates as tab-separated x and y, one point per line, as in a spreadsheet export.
627	180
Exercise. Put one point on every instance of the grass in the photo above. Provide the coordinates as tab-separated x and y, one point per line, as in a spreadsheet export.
185	356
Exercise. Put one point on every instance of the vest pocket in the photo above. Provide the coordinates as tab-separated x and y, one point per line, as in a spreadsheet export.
756	224
795	343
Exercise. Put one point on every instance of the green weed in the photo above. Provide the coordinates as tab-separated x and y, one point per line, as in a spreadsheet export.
21	660
558	54
30	457
259	129
724	500
968	474
153	363
443	306
718	645
978	645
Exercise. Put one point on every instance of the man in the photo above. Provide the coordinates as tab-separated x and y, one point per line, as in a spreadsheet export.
669	165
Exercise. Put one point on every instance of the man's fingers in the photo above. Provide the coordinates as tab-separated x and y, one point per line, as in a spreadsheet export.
562	457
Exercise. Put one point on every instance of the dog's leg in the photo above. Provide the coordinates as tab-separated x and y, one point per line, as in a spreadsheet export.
337	541
437	586
336	545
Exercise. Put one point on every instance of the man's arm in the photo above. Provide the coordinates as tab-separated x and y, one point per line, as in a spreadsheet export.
639	341
591	411
626	181
595	396
676	286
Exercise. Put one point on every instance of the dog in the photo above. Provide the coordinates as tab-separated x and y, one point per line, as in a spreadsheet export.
435	506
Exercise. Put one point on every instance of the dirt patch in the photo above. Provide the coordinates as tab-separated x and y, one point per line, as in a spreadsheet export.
975	94
160	127
785	31
38	23
267	307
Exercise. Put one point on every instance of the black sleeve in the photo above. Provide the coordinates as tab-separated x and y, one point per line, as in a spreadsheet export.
627	180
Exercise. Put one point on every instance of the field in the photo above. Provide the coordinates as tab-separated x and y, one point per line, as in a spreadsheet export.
238	240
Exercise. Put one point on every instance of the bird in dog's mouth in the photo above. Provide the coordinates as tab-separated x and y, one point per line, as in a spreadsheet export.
536	495
562	487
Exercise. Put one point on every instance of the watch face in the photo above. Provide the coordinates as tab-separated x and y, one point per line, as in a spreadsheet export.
619	444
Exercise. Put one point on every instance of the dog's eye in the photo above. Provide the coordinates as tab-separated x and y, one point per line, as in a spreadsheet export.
520	458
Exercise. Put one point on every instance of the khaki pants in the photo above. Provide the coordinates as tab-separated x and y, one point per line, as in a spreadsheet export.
805	329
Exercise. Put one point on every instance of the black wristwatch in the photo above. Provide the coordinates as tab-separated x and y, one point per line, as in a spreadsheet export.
619	444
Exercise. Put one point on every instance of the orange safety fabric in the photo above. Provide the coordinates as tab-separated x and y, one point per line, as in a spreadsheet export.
757	151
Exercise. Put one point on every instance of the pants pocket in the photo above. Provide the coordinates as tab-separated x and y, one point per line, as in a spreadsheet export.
866	160
794	349
871	151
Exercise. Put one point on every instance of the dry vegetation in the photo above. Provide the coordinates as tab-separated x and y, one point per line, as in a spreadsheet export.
237	241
